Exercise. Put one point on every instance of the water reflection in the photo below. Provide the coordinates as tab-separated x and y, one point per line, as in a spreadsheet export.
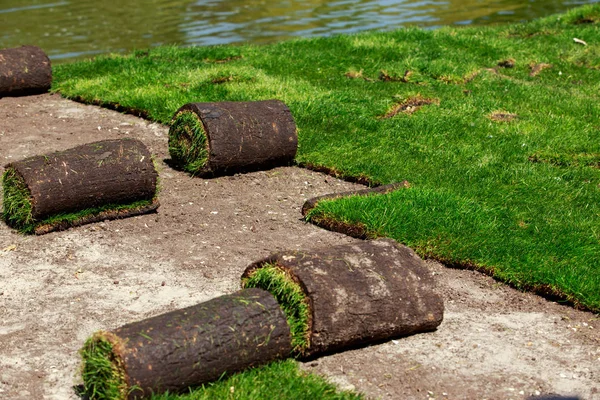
81	28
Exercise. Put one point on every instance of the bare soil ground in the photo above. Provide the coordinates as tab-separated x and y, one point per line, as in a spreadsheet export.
57	289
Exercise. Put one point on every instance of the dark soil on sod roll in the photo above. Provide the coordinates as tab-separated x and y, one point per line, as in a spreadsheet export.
88	183
210	139
187	347
358	294
24	71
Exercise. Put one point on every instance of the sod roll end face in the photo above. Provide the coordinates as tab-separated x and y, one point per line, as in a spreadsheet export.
188	144
17	206
290	296
102	370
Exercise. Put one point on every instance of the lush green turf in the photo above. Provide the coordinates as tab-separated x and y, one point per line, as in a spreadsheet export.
280	380
502	164
290	297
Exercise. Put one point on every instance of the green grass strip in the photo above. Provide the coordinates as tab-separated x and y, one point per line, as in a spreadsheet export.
279	380
290	297
103	372
188	143
16	201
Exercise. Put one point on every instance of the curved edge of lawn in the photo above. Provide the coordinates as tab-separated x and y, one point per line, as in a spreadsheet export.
360	216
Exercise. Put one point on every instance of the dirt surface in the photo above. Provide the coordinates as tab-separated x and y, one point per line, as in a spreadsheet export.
57	289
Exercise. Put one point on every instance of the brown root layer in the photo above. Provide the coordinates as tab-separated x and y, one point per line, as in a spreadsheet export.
202	343
24	71
245	136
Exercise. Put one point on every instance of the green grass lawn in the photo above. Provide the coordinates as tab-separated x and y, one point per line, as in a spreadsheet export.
503	162
280	380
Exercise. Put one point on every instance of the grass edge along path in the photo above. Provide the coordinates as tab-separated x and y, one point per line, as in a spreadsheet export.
498	160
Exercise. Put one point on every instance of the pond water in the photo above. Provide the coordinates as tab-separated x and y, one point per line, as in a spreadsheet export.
71	29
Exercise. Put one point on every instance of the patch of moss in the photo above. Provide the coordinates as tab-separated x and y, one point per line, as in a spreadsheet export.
290	297
17	206
102	370
188	143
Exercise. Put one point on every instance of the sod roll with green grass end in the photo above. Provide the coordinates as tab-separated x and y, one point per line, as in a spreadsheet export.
356	294
93	182
24	71
186	348
208	139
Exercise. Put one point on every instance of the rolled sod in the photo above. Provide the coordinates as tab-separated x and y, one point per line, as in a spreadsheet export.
187	347
208	139
348	296
24	71
88	183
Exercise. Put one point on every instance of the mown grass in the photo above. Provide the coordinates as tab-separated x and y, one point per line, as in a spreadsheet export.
279	380
478	195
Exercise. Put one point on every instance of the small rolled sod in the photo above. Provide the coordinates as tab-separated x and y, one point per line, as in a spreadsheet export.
351	295
24	70
186	348
209	139
89	183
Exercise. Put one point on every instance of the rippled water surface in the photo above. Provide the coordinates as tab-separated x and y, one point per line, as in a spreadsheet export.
73	29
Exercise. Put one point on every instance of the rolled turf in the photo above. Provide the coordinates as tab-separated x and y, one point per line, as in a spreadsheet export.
352	295
24	71
93	182
186	348
208	139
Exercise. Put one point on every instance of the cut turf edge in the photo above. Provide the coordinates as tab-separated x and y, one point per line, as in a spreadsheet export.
17	207
290	295
188	142
102	369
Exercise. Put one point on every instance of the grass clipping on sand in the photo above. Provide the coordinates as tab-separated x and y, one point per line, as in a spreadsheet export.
103	372
188	143
291	298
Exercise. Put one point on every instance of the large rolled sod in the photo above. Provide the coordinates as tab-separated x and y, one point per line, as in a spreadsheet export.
92	182
24	71
352	295
208	139
187	347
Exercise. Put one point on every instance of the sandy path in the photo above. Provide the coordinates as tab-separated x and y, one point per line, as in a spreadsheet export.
55	290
